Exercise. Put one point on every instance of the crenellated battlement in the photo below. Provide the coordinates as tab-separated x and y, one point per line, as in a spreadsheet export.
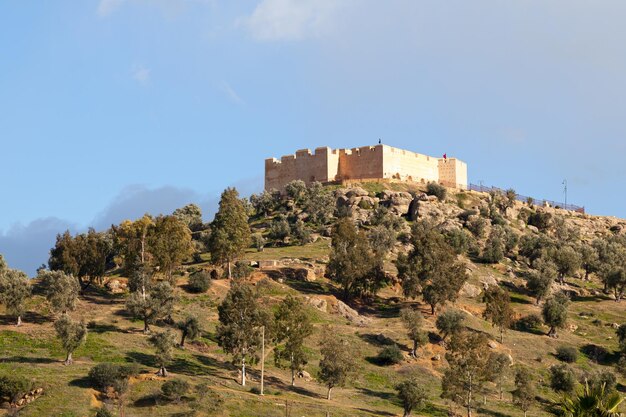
366	162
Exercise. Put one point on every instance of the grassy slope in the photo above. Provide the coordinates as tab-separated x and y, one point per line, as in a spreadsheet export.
32	350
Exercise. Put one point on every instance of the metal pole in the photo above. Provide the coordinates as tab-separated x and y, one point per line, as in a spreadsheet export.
565	191
262	356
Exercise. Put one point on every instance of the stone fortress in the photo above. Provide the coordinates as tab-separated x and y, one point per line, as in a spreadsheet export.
367	163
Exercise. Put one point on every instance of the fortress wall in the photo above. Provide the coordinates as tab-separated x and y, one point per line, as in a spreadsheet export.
361	163
364	163
453	173
411	166
304	165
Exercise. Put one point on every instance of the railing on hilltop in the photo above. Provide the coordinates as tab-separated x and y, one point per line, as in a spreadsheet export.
523	198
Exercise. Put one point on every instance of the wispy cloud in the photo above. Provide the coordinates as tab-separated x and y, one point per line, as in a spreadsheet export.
290	20
230	93
26	247
108	7
140	73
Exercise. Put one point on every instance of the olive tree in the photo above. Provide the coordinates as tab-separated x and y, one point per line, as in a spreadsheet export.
72	334
14	290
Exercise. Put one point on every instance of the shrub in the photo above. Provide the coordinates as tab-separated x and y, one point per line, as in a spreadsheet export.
540	220
258	241
477	226
104	412
450	322
242	270
14	387
602	378
562	378
200	281
528	323
437	190
390	355
174	389
105	375
459	240
567	354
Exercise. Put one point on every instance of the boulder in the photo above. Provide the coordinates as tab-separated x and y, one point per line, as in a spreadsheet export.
305	375
352	315
396	201
116	286
318	303
436	358
356	192
470	290
493	344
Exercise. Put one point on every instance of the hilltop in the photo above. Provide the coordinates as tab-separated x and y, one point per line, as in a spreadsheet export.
501	243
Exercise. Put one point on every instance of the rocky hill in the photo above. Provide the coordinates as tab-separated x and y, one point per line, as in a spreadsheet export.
502	243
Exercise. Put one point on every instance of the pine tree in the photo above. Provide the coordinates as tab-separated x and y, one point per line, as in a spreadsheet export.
239	328
525	391
338	361
170	244
230	231
292	327
498	308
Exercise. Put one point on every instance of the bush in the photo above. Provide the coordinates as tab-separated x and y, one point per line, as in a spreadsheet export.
104	412
242	270
477	226
106	374
528	323
450	322
459	240
567	354
562	378
200	281
390	355
14	387
437	190
174	389
540	220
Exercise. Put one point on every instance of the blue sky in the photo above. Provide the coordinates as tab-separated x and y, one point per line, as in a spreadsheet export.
110	108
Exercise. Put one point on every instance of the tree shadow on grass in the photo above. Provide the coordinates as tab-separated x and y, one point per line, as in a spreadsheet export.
82	382
149	400
100	328
381	307
31	360
599	354
28	317
377	339
178	365
281	385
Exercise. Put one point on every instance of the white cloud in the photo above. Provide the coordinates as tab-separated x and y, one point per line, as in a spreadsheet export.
107	7
141	74
230	93
291	20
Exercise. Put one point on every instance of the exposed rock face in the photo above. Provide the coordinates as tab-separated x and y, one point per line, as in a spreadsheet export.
319	303
470	290
305	375
396	201
116	286
346	311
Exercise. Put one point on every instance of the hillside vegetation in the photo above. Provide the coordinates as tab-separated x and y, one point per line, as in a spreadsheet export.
382	299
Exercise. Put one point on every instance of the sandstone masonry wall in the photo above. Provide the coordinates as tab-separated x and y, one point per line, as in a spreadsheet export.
363	163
